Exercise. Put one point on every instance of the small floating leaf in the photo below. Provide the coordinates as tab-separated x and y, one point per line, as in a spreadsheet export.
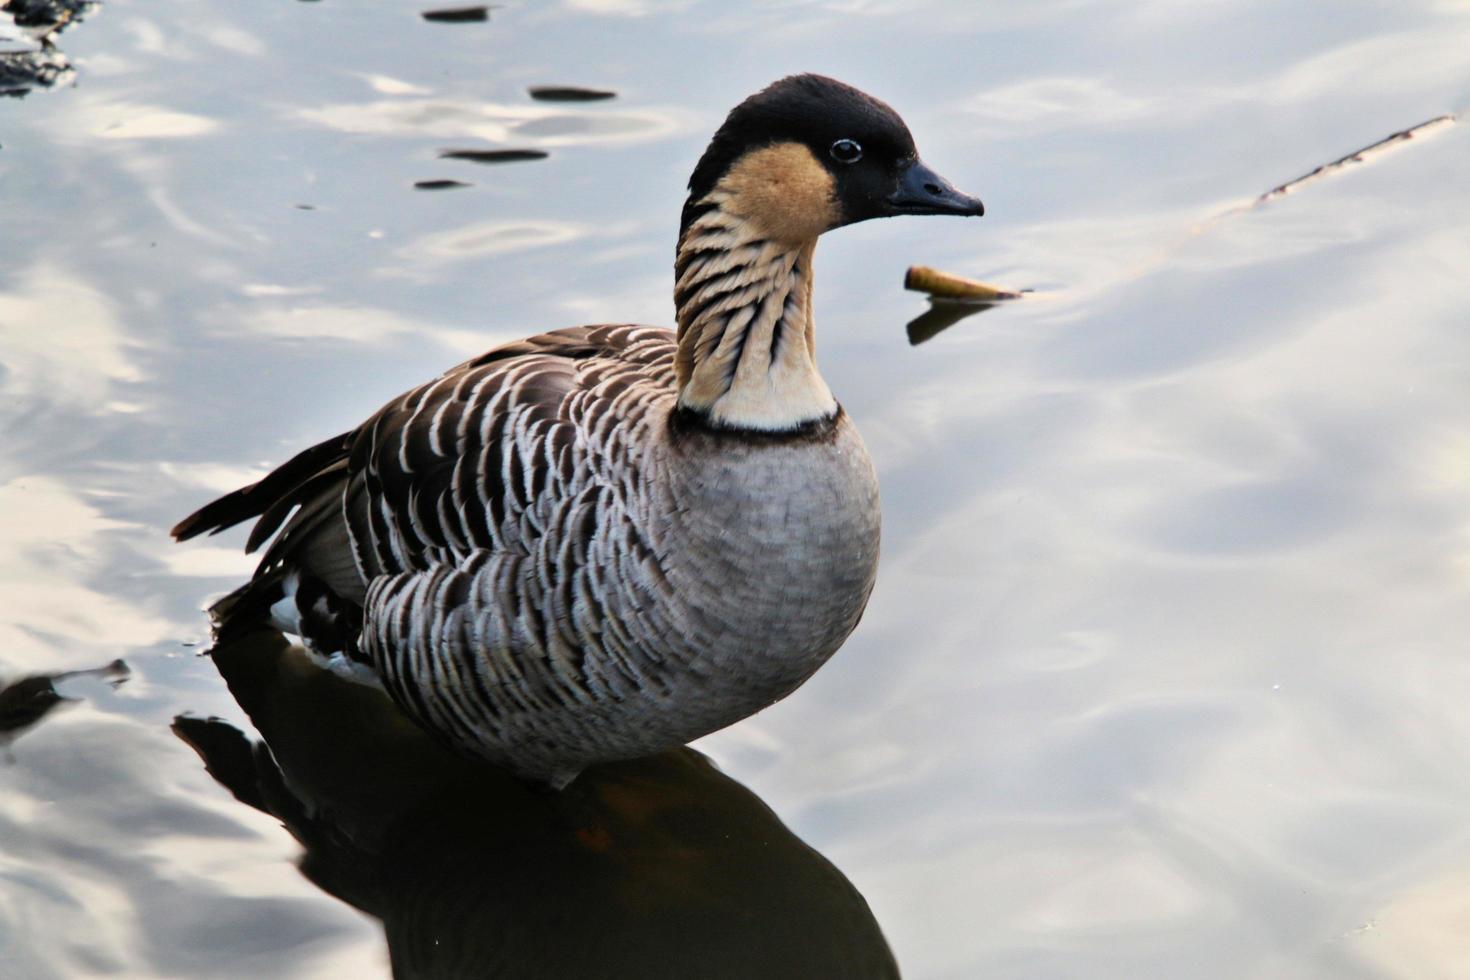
493	156
569	93
458	15
439	185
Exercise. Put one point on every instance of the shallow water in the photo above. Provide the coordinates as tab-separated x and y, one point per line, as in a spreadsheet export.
1164	674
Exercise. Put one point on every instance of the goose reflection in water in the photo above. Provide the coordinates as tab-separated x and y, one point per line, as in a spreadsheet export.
652	868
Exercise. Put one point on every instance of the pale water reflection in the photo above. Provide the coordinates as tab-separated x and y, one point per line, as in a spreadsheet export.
1165	671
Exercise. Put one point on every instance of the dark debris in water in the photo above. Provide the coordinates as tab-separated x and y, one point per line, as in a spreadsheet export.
49	15
38	63
439	185
25	70
458	15
569	93
493	156
26	701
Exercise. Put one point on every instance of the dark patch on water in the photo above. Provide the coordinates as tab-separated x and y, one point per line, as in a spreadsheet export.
458	15
49	15
493	156
28	700
569	93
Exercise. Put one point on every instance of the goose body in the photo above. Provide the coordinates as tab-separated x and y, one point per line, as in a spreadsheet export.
603	542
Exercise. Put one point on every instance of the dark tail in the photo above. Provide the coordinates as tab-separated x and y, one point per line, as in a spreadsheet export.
307	583
325	622
248	607
274	496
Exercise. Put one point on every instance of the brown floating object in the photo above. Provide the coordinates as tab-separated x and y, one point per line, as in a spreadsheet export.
493	156
439	185
568	93
942	285
458	15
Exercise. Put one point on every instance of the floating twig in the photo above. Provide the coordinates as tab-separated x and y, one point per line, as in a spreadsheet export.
944	286
1361	156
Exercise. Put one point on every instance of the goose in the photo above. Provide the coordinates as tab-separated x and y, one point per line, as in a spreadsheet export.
603	542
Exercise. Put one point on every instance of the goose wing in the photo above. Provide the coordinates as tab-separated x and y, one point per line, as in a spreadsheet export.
485	458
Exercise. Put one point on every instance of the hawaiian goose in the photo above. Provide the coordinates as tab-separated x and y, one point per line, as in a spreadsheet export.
607	541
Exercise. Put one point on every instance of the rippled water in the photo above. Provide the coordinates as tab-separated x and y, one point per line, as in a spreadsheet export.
1165	671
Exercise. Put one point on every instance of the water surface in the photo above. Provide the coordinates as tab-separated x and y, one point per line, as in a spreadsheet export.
1165	670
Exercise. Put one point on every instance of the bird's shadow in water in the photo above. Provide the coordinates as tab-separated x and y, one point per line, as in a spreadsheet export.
658	867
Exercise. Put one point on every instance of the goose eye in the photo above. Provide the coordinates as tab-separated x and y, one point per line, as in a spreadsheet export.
847	151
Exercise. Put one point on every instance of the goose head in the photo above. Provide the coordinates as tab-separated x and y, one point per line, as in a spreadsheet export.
808	154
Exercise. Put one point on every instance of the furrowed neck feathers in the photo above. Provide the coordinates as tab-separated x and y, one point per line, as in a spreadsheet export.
743	289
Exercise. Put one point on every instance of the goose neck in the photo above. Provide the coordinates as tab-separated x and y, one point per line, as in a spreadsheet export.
747	349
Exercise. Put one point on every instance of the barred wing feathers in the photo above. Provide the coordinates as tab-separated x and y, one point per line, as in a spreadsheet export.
525	451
